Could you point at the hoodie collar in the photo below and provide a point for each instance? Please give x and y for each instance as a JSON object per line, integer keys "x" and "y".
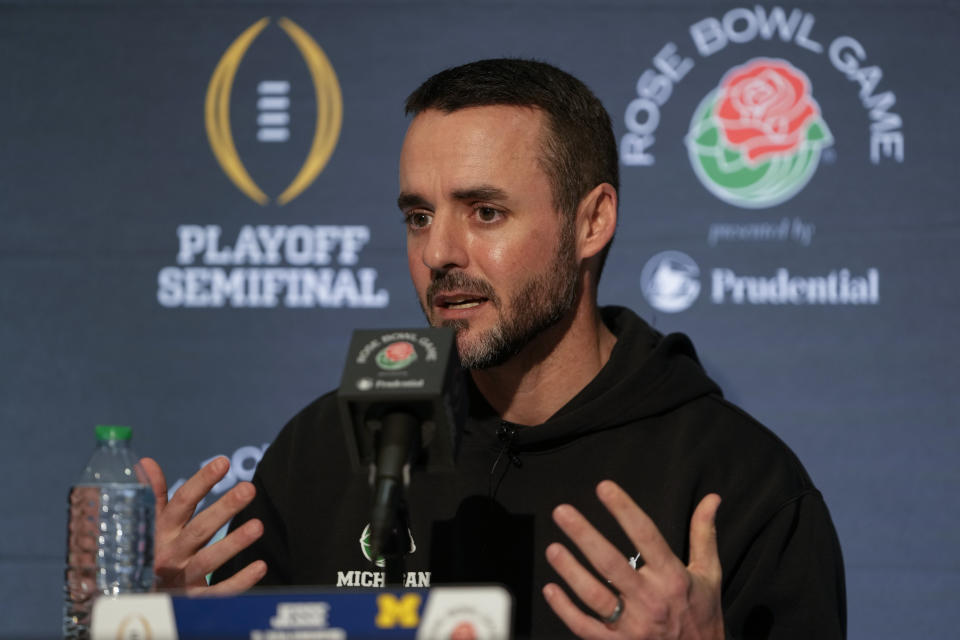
{"x": 647, "y": 374}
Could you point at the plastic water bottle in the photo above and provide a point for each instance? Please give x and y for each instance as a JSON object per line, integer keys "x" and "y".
{"x": 109, "y": 530}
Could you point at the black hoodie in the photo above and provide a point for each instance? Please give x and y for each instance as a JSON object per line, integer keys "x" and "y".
{"x": 651, "y": 420}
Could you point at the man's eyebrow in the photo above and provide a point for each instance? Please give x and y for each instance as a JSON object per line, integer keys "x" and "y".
{"x": 411, "y": 201}
{"x": 480, "y": 192}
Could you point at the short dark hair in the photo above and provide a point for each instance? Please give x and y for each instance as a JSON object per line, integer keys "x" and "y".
{"x": 579, "y": 150}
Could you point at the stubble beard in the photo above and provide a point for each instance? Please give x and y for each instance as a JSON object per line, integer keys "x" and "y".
{"x": 540, "y": 303}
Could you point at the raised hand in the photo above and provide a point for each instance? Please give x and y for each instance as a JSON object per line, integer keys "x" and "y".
{"x": 181, "y": 558}
{"x": 663, "y": 599}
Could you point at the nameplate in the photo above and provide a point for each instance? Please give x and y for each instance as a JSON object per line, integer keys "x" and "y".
{"x": 440, "y": 613}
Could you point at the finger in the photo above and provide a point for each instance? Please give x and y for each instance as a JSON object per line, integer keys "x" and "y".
{"x": 582, "y": 625}
{"x": 591, "y": 591}
{"x": 157, "y": 481}
{"x": 212, "y": 557}
{"x": 184, "y": 502}
{"x": 704, "y": 557}
{"x": 205, "y": 525}
{"x": 638, "y": 526}
{"x": 605, "y": 558}
{"x": 237, "y": 583}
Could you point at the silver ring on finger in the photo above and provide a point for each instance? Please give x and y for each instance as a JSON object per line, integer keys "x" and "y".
{"x": 617, "y": 612}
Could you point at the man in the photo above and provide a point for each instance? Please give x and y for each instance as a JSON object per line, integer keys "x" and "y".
{"x": 508, "y": 188}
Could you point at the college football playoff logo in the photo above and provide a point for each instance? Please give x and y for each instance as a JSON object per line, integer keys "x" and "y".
{"x": 329, "y": 104}
{"x": 755, "y": 141}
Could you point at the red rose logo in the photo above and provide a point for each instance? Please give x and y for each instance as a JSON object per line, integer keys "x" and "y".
{"x": 756, "y": 140}
{"x": 463, "y": 631}
{"x": 399, "y": 351}
{"x": 764, "y": 108}
{"x": 396, "y": 355}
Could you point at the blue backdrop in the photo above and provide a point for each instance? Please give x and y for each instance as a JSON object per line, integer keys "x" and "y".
{"x": 198, "y": 208}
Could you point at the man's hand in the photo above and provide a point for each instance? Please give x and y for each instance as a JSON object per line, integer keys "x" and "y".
{"x": 181, "y": 560}
{"x": 663, "y": 599}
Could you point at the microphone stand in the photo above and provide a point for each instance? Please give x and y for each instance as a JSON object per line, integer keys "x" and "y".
{"x": 399, "y": 440}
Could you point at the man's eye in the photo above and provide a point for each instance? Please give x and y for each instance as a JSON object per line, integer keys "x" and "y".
{"x": 488, "y": 214}
{"x": 417, "y": 220}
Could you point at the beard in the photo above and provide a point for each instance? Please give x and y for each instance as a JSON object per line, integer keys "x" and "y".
{"x": 539, "y": 303}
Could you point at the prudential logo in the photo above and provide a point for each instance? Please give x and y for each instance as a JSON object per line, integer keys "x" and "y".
{"x": 670, "y": 281}
{"x": 755, "y": 141}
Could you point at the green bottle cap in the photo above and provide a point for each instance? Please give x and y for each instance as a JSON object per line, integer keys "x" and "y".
{"x": 112, "y": 432}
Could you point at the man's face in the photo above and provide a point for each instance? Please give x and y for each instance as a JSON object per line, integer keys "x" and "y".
{"x": 488, "y": 253}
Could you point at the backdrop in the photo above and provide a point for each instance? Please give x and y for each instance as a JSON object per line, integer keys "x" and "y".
{"x": 198, "y": 206}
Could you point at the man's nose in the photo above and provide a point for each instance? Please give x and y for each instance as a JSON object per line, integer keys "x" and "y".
{"x": 444, "y": 248}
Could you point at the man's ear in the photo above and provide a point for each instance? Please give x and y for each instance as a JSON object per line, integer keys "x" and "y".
{"x": 596, "y": 220}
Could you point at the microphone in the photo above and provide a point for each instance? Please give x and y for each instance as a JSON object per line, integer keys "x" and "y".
{"x": 401, "y": 402}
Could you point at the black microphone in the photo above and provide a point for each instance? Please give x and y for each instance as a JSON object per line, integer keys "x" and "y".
{"x": 401, "y": 403}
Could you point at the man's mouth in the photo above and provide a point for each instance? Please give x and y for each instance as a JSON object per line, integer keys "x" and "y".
{"x": 458, "y": 301}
